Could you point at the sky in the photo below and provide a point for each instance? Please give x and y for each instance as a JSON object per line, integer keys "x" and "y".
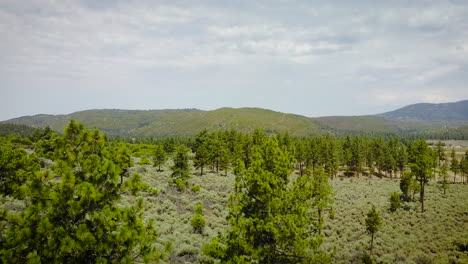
{"x": 313, "y": 58}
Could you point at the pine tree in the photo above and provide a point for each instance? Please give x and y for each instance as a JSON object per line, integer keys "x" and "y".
{"x": 180, "y": 169}
{"x": 15, "y": 168}
{"x": 422, "y": 166}
{"x": 443, "y": 173}
{"x": 454, "y": 165}
{"x": 202, "y": 157}
{"x": 159, "y": 157}
{"x": 71, "y": 214}
{"x": 440, "y": 152}
{"x": 373, "y": 224}
{"x": 272, "y": 219}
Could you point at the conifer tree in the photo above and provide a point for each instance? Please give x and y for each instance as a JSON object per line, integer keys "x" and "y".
{"x": 15, "y": 168}
{"x": 422, "y": 166}
{"x": 159, "y": 157}
{"x": 443, "y": 173}
{"x": 180, "y": 169}
{"x": 71, "y": 214}
{"x": 272, "y": 220}
{"x": 373, "y": 224}
{"x": 202, "y": 158}
{"x": 454, "y": 165}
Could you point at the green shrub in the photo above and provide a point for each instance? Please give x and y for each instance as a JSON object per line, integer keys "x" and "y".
{"x": 196, "y": 188}
{"x": 199, "y": 209}
{"x": 180, "y": 184}
{"x": 395, "y": 201}
{"x": 154, "y": 192}
{"x": 198, "y": 223}
{"x": 144, "y": 161}
{"x": 332, "y": 213}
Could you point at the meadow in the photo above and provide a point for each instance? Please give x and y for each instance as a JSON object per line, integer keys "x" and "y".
{"x": 407, "y": 235}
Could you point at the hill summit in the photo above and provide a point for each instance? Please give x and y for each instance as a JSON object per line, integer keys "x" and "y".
{"x": 417, "y": 118}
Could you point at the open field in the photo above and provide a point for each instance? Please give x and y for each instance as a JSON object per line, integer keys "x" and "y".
{"x": 406, "y": 237}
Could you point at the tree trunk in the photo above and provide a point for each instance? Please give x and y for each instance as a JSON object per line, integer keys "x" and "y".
{"x": 320, "y": 220}
{"x": 201, "y": 170}
{"x": 421, "y": 197}
{"x": 454, "y": 176}
{"x": 371, "y": 243}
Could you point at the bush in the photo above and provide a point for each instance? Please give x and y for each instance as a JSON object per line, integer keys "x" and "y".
{"x": 395, "y": 201}
{"x": 198, "y": 223}
{"x": 196, "y": 188}
{"x": 199, "y": 209}
{"x": 144, "y": 161}
{"x": 332, "y": 213}
{"x": 154, "y": 192}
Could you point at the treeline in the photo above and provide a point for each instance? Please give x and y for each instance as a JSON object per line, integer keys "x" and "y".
{"x": 350, "y": 155}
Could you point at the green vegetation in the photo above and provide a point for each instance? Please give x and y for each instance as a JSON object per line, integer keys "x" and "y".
{"x": 258, "y": 199}
{"x": 180, "y": 169}
{"x": 198, "y": 222}
{"x": 272, "y": 220}
{"x": 373, "y": 223}
{"x": 159, "y": 156}
{"x": 395, "y": 201}
{"x": 411, "y": 121}
{"x": 69, "y": 213}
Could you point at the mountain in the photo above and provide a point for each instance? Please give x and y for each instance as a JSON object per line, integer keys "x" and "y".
{"x": 418, "y": 119}
{"x": 441, "y": 120}
{"x": 451, "y": 113}
{"x": 180, "y": 122}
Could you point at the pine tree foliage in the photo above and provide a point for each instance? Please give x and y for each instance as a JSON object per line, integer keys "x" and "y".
{"x": 421, "y": 165}
{"x": 159, "y": 157}
{"x": 15, "y": 168}
{"x": 180, "y": 169}
{"x": 272, "y": 219}
{"x": 373, "y": 224}
{"x": 71, "y": 214}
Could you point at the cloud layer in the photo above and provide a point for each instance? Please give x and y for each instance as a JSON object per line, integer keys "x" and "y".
{"x": 307, "y": 57}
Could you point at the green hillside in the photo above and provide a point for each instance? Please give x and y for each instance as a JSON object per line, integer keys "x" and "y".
{"x": 358, "y": 123}
{"x": 425, "y": 120}
{"x": 183, "y": 122}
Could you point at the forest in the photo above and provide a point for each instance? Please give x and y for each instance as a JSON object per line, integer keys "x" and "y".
{"x": 226, "y": 196}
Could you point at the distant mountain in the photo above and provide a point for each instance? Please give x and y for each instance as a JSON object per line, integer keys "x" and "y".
{"x": 445, "y": 112}
{"x": 181, "y": 122}
{"x": 442, "y": 120}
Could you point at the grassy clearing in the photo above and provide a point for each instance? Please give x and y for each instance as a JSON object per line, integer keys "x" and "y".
{"x": 406, "y": 237}
{"x": 172, "y": 210}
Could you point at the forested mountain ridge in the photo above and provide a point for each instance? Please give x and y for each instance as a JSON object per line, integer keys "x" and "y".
{"x": 178, "y": 122}
{"x": 448, "y": 120}
{"x": 445, "y": 112}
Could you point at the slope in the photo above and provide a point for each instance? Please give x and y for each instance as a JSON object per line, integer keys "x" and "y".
{"x": 181, "y": 122}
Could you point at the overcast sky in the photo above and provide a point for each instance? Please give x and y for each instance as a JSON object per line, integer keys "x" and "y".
{"x": 313, "y": 58}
